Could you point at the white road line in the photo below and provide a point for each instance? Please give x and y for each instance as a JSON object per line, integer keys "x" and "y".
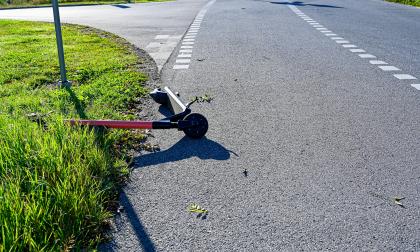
{"x": 190, "y": 37}
{"x": 188, "y": 40}
{"x": 154, "y": 44}
{"x": 358, "y": 51}
{"x": 377, "y": 62}
{"x": 349, "y": 46}
{"x": 404, "y": 77}
{"x": 184, "y": 55}
{"x": 181, "y": 67}
{"x": 185, "y": 51}
{"x": 186, "y": 47}
{"x": 183, "y": 61}
{"x": 366, "y": 56}
{"x": 389, "y": 68}
{"x": 339, "y": 40}
{"x": 162, "y": 37}
{"x": 188, "y": 43}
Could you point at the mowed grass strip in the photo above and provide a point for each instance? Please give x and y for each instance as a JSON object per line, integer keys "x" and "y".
{"x": 28, "y": 3}
{"x": 408, "y": 2}
{"x": 58, "y": 182}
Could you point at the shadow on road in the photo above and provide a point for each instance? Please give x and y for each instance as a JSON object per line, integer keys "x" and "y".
{"x": 143, "y": 238}
{"x": 121, "y": 6}
{"x": 186, "y": 148}
{"x": 299, "y": 3}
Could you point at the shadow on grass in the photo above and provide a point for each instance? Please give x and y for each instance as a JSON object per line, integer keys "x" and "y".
{"x": 135, "y": 222}
{"x": 301, "y": 4}
{"x": 186, "y": 148}
{"x": 77, "y": 104}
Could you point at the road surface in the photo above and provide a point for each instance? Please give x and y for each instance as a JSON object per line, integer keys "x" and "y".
{"x": 328, "y": 138}
{"x": 318, "y": 101}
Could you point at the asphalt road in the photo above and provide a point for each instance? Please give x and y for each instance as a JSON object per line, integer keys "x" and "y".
{"x": 328, "y": 138}
{"x": 154, "y": 27}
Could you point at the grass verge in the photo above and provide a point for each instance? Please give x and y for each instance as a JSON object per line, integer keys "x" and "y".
{"x": 8, "y": 4}
{"x": 408, "y": 2}
{"x": 56, "y": 182}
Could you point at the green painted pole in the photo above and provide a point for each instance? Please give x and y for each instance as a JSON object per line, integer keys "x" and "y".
{"x": 60, "y": 49}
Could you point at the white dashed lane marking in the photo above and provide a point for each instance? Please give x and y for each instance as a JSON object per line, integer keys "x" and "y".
{"x": 389, "y": 68}
{"x": 183, "y": 61}
{"x": 185, "y": 53}
{"x": 358, "y": 51}
{"x": 162, "y": 37}
{"x": 353, "y": 48}
{"x": 367, "y": 56}
{"x": 377, "y": 62}
{"x": 405, "y": 77}
{"x": 176, "y": 67}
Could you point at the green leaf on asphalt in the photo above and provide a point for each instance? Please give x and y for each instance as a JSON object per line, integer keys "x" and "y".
{"x": 194, "y": 208}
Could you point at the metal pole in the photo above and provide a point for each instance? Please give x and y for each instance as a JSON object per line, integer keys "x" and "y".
{"x": 59, "y": 38}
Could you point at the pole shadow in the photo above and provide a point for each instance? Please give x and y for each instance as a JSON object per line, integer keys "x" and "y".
{"x": 121, "y": 6}
{"x": 302, "y": 4}
{"x": 143, "y": 238}
{"x": 185, "y": 148}
{"x": 80, "y": 109}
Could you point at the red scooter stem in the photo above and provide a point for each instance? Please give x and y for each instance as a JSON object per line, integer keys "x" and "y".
{"x": 119, "y": 124}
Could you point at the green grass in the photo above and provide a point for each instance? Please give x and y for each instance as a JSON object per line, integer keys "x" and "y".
{"x": 57, "y": 182}
{"x": 408, "y": 2}
{"x": 32, "y": 3}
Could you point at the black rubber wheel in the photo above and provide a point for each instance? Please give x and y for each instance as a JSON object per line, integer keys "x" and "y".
{"x": 199, "y": 128}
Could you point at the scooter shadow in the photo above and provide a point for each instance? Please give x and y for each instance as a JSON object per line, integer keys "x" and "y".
{"x": 185, "y": 148}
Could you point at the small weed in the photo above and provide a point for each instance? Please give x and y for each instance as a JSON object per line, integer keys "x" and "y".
{"x": 203, "y": 98}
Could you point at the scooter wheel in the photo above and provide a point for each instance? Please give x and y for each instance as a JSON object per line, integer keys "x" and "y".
{"x": 199, "y": 126}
